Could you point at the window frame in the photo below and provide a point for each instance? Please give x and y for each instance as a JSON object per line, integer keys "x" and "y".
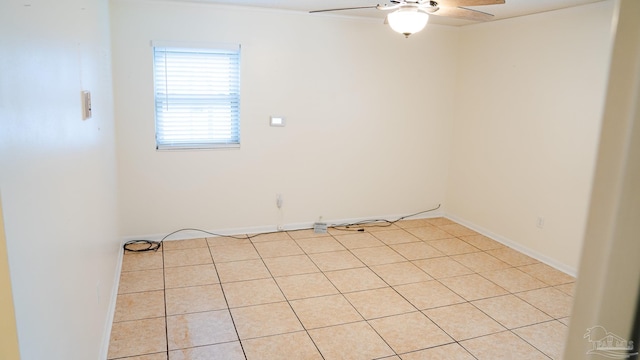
{"x": 216, "y": 139}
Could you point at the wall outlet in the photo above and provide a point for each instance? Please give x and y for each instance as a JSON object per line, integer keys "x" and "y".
{"x": 540, "y": 222}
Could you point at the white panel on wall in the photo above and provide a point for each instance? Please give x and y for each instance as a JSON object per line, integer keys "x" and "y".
{"x": 530, "y": 94}
{"x": 57, "y": 174}
{"x": 368, "y": 120}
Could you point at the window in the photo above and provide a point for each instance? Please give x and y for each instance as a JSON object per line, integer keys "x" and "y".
{"x": 197, "y": 96}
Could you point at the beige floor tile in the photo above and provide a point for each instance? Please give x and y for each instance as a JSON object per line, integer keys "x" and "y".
{"x": 136, "y": 306}
{"x": 358, "y": 279}
{"x": 224, "y": 351}
{"x": 290, "y": 265}
{"x": 463, "y": 321}
{"x": 410, "y": 332}
{"x": 139, "y": 281}
{"x": 274, "y": 236}
{"x": 378, "y": 255}
{"x": 306, "y": 234}
{"x": 197, "y": 256}
{"x": 185, "y": 244}
{"x": 428, "y": 294}
{"x": 226, "y": 253}
{"x": 512, "y": 257}
{"x": 481, "y": 242}
{"x": 417, "y": 250}
{"x": 198, "y": 329}
{"x": 457, "y": 230}
{"x": 138, "y": 337}
{"x": 550, "y": 300}
{"x": 428, "y": 233}
{"x": 358, "y": 240}
{"x": 568, "y": 289}
{"x": 353, "y": 341}
{"x": 195, "y": 299}
{"x": 319, "y": 245}
{"x": 252, "y": 292}
{"x": 547, "y": 274}
{"x": 325, "y": 311}
{"x": 511, "y": 311}
{"x": 305, "y": 286}
{"x": 332, "y": 305}
{"x": 480, "y": 261}
{"x": 156, "y": 356}
{"x": 242, "y": 270}
{"x": 513, "y": 280}
{"x": 399, "y": 236}
{"x": 296, "y": 345}
{"x": 190, "y": 276}
{"x": 548, "y": 337}
{"x": 473, "y": 287}
{"x": 142, "y": 261}
{"x": 400, "y": 273}
{"x": 277, "y": 248}
{"x": 453, "y": 246}
{"x": 502, "y": 346}
{"x": 414, "y": 223}
{"x": 379, "y": 302}
{"x": 394, "y": 357}
{"x": 227, "y": 240}
{"x": 439, "y": 221}
{"x": 264, "y": 320}
{"x": 445, "y": 352}
{"x": 336, "y": 260}
{"x": 442, "y": 267}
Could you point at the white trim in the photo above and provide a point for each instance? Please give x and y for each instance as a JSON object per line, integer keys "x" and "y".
{"x": 516, "y": 246}
{"x": 233, "y": 47}
{"x": 106, "y": 336}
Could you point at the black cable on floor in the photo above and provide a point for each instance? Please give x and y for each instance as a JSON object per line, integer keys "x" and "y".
{"x": 144, "y": 245}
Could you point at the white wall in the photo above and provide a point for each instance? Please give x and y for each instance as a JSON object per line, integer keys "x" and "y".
{"x": 529, "y": 98}
{"x": 368, "y": 120}
{"x": 57, "y": 174}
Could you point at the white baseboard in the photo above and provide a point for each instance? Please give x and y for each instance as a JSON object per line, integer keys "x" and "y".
{"x": 106, "y": 337}
{"x": 193, "y": 233}
{"x": 516, "y": 246}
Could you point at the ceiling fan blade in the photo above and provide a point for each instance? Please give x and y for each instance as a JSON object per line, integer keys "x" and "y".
{"x": 463, "y": 13}
{"x": 457, "y": 3}
{"x": 340, "y": 9}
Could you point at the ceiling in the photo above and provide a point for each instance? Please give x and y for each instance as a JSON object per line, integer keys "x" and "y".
{"x": 512, "y": 8}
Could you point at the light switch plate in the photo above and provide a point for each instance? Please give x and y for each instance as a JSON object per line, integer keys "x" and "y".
{"x": 277, "y": 121}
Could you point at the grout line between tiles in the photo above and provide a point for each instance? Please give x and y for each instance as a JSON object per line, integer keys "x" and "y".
{"x": 235, "y": 328}
{"x": 288, "y": 301}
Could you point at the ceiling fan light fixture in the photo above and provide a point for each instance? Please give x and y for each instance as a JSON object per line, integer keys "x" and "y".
{"x": 407, "y": 21}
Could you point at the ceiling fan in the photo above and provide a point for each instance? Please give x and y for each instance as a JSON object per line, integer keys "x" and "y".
{"x": 411, "y": 16}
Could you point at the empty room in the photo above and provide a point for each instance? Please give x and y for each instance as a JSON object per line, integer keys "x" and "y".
{"x": 280, "y": 179}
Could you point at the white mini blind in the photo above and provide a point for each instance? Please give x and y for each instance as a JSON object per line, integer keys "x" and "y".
{"x": 197, "y": 97}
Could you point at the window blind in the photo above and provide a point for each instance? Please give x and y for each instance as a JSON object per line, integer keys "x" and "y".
{"x": 197, "y": 97}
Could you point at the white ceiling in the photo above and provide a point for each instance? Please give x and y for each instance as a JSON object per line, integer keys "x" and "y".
{"x": 512, "y": 8}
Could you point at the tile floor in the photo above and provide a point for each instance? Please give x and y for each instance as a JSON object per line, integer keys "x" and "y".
{"x": 419, "y": 289}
